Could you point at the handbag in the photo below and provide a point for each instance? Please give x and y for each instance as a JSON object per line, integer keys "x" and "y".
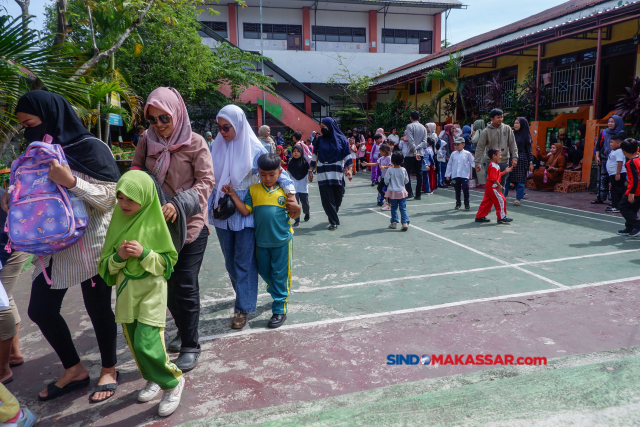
{"x": 226, "y": 208}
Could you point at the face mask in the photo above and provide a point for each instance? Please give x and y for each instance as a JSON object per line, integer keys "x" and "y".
{"x": 35, "y": 133}
{"x": 325, "y": 132}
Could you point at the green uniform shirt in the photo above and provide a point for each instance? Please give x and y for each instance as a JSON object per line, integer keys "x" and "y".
{"x": 273, "y": 228}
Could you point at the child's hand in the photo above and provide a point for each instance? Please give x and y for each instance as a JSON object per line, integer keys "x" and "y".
{"x": 632, "y": 198}
{"x": 122, "y": 251}
{"x": 509, "y": 169}
{"x": 617, "y": 177}
{"x": 228, "y": 189}
{"x": 134, "y": 249}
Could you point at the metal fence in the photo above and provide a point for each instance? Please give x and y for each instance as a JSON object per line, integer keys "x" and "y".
{"x": 481, "y": 91}
{"x": 572, "y": 85}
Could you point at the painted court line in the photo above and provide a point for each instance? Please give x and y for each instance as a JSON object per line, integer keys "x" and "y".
{"x": 414, "y": 310}
{"x": 526, "y": 205}
{"x": 560, "y": 285}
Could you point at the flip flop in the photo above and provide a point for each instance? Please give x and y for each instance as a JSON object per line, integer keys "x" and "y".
{"x": 105, "y": 387}
{"x": 597, "y": 202}
{"x": 8, "y": 380}
{"x": 54, "y": 391}
{"x": 15, "y": 365}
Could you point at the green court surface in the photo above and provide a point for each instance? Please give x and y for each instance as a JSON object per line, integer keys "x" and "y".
{"x": 367, "y": 269}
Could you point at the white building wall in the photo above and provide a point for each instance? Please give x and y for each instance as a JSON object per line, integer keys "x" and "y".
{"x": 402, "y": 22}
{"x": 269, "y": 16}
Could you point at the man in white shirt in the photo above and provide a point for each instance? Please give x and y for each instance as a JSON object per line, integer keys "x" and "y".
{"x": 459, "y": 170}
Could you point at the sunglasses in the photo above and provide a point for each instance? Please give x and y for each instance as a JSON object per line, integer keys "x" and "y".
{"x": 224, "y": 128}
{"x": 164, "y": 118}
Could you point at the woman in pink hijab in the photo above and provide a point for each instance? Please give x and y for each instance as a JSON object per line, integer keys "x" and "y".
{"x": 180, "y": 162}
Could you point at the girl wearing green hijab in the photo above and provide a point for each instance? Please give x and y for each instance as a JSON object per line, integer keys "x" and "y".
{"x": 137, "y": 258}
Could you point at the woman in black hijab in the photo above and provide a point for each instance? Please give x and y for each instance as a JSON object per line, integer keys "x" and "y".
{"x": 91, "y": 177}
{"x": 518, "y": 175}
{"x": 576, "y": 152}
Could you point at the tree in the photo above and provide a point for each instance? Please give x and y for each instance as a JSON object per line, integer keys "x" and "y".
{"x": 453, "y": 84}
{"x": 26, "y": 63}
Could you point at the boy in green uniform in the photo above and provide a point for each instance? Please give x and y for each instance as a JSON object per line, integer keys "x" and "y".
{"x": 274, "y": 235}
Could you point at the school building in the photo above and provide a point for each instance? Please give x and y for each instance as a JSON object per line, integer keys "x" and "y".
{"x": 308, "y": 42}
{"x": 582, "y": 52}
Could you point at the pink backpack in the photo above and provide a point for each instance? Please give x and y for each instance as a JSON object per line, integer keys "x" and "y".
{"x": 43, "y": 217}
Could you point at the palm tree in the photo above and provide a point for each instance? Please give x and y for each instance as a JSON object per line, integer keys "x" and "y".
{"x": 25, "y": 64}
{"x": 452, "y": 83}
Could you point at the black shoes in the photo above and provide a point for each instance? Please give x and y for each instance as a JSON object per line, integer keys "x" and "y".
{"x": 175, "y": 344}
{"x": 634, "y": 233}
{"x": 624, "y": 232}
{"x": 380, "y": 203}
{"x": 504, "y": 220}
{"x": 467, "y": 207}
{"x": 277, "y": 320}
{"x": 483, "y": 219}
{"x": 417, "y": 198}
{"x": 333, "y": 227}
{"x": 458, "y": 207}
{"x": 373, "y": 183}
{"x": 188, "y": 358}
{"x": 307, "y": 218}
{"x": 297, "y": 223}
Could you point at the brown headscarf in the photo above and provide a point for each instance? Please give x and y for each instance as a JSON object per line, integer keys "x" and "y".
{"x": 552, "y": 160}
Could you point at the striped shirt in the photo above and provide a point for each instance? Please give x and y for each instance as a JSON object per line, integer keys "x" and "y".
{"x": 331, "y": 173}
{"x": 69, "y": 268}
{"x": 237, "y": 221}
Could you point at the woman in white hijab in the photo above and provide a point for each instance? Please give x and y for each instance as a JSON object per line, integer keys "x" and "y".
{"x": 235, "y": 152}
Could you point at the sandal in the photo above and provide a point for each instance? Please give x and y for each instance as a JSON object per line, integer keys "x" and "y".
{"x": 105, "y": 387}
{"x": 597, "y": 202}
{"x": 54, "y": 391}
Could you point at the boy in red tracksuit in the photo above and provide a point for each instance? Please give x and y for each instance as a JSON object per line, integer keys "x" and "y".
{"x": 493, "y": 195}
{"x": 630, "y": 203}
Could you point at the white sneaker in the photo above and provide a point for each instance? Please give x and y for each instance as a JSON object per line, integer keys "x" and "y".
{"x": 386, "y": 207}
{"x": 149, "y": 392}
{"x": 393, "y": 225}
{"x": 405, "y": 226}
{"x": 171, "y": 400}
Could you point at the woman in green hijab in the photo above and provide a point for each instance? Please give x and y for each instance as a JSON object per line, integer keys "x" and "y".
{"x": 138, "y": 257}
{"x": 478, "y": 127}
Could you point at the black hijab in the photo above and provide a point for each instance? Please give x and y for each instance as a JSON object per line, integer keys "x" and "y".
{"x": 84, "y": 152}
{"x": 522, "y": 135}
{"x": 298, "y": 168}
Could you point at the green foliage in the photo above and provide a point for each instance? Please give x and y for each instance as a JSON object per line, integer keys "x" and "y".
{"x": 523, "y": 100}
{"x": 349, "y": 116}
{"x": 397, "y": 113}
{"x": 25, "y": 63}
{"x": 453, "y": 84}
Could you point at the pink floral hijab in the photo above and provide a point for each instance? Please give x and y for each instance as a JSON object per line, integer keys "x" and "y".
{"x": 167, "y": 99}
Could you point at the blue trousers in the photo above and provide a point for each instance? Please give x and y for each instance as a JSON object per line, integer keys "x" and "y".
{"x": 425, "y": 181}
{"x": 274, "y": 266}
{"x": 238, "y": 249}
{"x": 442, "y": 169}
{"x": 519, "y": 189}
{"x": 402, "y": 204}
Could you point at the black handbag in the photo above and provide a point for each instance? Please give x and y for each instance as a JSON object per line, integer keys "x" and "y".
{"x": 226, "y": 208}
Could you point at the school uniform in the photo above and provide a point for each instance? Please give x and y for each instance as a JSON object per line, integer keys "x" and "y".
{"x": 459, "y": 170}
{"x": 619, "y": 187}
{"x": 492, "y": 197}
{"x": 274, "y": 241}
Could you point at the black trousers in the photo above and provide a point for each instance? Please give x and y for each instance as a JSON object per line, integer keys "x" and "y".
{"x": 618, "y": 188}
{"x": 413, "y": 166}
{"x": 331, "y": 197}
{"x": 630, "y": 212}
{"x": 303, "y": 200}
{"x": 358, "y": 161}
{"x": 575, "y": 155}
{"x": 603, "y": 181}
{"x": 183, "y": 296}
{"x": 381, "y": 186}
{"x": 44, "y": 310}
{"x": 461, "y": 185}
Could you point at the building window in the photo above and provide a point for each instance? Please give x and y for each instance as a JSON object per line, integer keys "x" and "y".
{"x": 271, "y": 31}
{"x": 316, "y": 110}
{"x": 405, "y": 36}
{"x": 339, "y": 34}
{"x": 218, "y": 27}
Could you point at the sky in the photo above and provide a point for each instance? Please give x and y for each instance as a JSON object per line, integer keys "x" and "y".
{"x": 479, "y": 17}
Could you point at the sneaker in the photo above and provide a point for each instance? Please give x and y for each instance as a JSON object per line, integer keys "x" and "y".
{"x": 373, "y": 183}
{"x": 483, "y": 219}
{"x": 333, "y": 227}
{"x": 27, "y": 419}
{"x": 624, "y": 232}
{"x": 504, "y": 220}
{"x": 516, "y": 203}
{"x": 297, "y": 223}
{"x": 417, "y": 198}
{"x": 380, "y": 203}
{"x": 307, "y": 218}
{"x": 458, "y": 207}
{"x": 393, "y": 225}
{"x": 635, "y": 232}
{"x": 405, "y": 226}
{"x": 386, "y": 207}
{"x": 149, "y": 392}
{"x": 611, "y": 210}
{"x": 171, "y": 399}
{"x": 467, "y": 207}
{"x": 428, "y": 194}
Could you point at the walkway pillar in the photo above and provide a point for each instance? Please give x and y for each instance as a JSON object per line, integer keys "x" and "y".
{"x": 596, "y": 81}
{"x": 258, "y": 117}
{"x": 538, "y": 87}
{"x": 307, "y": 101}
{"x": 233, "y": 27}
{"x": 437, "y": 32}
{"x": 373, "y": 31}
{"x": 306, "y": 29}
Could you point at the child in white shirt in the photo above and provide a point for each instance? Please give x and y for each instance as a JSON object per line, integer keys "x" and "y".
{"x": 458, "y": 171}
{"x": 617, "y": 172}
{"x": 396, "y": 179}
